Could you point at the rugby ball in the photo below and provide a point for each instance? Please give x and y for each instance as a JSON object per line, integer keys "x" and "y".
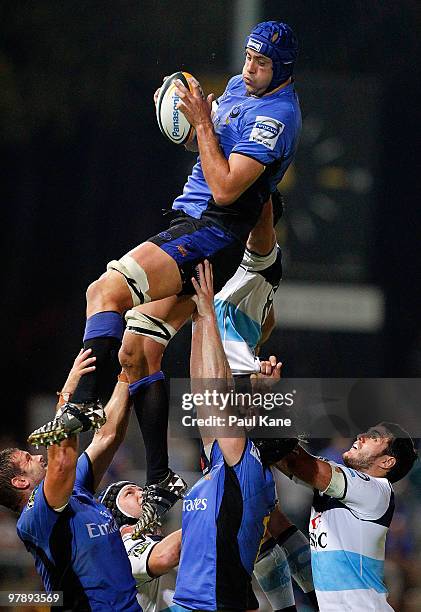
{"x": 172, "y": 123}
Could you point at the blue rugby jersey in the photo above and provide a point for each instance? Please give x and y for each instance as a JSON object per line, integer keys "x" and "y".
{"x": 265, "y": 128}
{"x": 79, "y": 551}
{"x": 224, "y": 517}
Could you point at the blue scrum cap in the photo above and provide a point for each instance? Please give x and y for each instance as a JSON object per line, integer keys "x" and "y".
{"x": 277, "y": 41}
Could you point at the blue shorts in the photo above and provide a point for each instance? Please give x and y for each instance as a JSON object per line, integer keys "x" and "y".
{"x": 190, "y": 241}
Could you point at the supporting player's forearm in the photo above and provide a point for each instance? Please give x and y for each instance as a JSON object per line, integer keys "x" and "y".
{"x": 207, "y": 348}
{"x": 305, "y": 467}
{"x": 107, "y": 439}
{"x": 278, "y": 522}
{"x": 61, "y": 473}
{"x": 267, "y": 329}
{"x": 165, "y": 555}
{"x": 213, "y": 360}
{"x": 117, "y": 411}
{"x": 262, "y": 237}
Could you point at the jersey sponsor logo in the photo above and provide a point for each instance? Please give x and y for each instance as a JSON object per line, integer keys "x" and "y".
{"x": 198, "y": 503}
{"x": 266, "y": 131}
{"x": 316, "y": 520}
{"x": 254, "y": 44}
{"x": 318, "y": 540}
{"x": 96, "y": 530}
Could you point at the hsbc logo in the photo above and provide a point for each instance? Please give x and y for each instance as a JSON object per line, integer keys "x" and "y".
{"x": 318, "y": 540}
{"x": 316, "y": 520}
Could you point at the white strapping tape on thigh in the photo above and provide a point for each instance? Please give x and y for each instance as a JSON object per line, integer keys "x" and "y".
{"x": 152, "y": 327}
{"x": 135, "y": 276}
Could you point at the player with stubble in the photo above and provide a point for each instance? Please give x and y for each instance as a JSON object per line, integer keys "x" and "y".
{"x": 74, "y": 540}
{"x": 351, "y": 513}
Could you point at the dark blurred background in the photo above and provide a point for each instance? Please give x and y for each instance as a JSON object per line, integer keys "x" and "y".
{"x": 86, "y": 173}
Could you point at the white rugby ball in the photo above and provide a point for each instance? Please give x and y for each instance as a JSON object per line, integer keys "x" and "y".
{"x": 172, "y": 123}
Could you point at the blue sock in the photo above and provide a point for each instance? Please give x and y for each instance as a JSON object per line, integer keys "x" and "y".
{"x": 150, "y": 401}
{"x": 145, "y": 382}
{"x": 107, "y": 324}
{"x": 103, "y": 333}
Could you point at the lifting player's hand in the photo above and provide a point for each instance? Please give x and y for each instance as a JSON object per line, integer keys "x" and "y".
{"x": 83, "y": 364}
{"x": 271, "y": 368}
{"x": 195, "y": 107}
{"x": 270, "y": 374}
{"x": 204, "y": 290}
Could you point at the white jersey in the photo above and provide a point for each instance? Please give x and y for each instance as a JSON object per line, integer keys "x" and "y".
{"x": 154, "y": 594}
{"x": 347, "y": 539}
{"x": 242, "y": 306}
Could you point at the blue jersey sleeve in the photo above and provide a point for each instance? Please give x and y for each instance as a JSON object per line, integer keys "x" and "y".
{"x": 37, "y": 519}
{"x": 255, "y": 479}
{"x": 84, "y": 473}
{"x": 265, "y": 136}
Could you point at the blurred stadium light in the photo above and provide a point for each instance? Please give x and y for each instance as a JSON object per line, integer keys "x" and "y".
{"x": 246, "y": 14}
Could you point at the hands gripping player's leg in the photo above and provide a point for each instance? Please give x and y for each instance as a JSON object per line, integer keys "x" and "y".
{"x": 148, "y": 331}
{"x": 146, "y": 273}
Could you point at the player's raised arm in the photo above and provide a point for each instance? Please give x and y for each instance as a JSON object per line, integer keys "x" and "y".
{"x": 227, "y": 178}
{"x": 165, "y": 555}
{"x": 262, "y": 237}
{"x": 311, "y": 470}
{"x": 62, "y": 459}
{"x": 107, "y": 440}
{"x": 209, "y": 365}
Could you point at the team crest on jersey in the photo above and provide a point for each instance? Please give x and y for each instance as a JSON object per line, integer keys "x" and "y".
{"x": 31, "y": 500}
{"x": 138, "y": 550}
{"x": 255, "y": 453}
{"x": 266, "y": 131}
